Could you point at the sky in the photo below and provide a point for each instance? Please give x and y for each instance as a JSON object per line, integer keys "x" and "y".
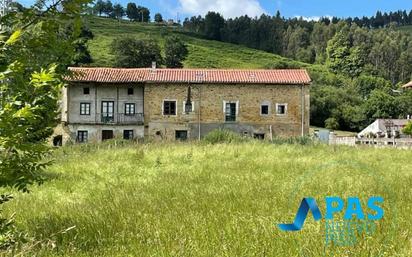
{"x": 309, "y": 9}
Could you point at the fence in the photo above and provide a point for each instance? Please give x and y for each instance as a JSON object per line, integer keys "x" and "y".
{"x": 373, "y": 142}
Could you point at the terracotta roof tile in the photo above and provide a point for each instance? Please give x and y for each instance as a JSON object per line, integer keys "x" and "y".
{"x": 115, "y": 75}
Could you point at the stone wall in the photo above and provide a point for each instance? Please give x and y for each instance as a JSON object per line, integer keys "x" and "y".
{"x": 209, "y": 112}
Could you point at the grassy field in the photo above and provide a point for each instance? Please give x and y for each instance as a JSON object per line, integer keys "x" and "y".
{"x": 202, "y": 53}
{"x": 209, "y": 200}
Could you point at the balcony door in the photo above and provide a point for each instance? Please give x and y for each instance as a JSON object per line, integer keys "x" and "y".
{"x": 107, "y": 111}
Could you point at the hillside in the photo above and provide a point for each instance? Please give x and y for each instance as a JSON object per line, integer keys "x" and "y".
{"x": 202, "y": 53}
{"x": 406, "y": 28}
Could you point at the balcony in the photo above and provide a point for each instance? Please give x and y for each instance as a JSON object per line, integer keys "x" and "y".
{"x": 120, "y": 118}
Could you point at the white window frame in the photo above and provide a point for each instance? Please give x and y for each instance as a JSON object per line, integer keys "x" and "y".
{"x": 286, "y": 109}
{"x": 184, "y": 107}
{"x": 163, "y": 105}
{"x": 268, "y": 105}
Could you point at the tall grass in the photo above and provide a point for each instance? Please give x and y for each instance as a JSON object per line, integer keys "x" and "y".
{"x": 209, "y": 200}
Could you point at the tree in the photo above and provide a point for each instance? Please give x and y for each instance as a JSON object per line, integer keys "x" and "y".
{"x": 33, "y": 63}
{"x": 82, "y": 53}
{"x": 143, "y": 14}
{"x": 343, "y": 58}
{"x": 99, "y": 7}
{"x": 108, "y": 8}
{"x": 118, "y": 11}
{"x": 380, "y": 105}
{"x": 132, "y": 12}
{"x": 407, "y": 130}
{"x": 158, "y": 18}
{"x": 136, "y": 53}
{"x": 175, "y": 52}
{"x": 214, "y": 22}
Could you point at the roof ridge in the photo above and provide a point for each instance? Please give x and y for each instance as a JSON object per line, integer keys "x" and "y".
{"x": 178, "y": 75}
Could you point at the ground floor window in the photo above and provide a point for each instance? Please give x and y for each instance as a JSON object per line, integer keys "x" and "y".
{"x": 128, "y": 134}
{"x": 58, "y": 140}
{"x": 107, "y": 134}
{"x": 82, "y": 136}
{"x": 230, "y": 111}
{"x": 181, "y": 135}
{"x": 259, "y": 136}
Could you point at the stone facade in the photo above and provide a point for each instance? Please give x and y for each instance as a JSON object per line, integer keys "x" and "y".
{"x": 104, "y": 103}
{"x": 209, "y": 112}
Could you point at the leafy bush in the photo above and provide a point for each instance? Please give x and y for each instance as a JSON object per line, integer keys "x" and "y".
{"x": 305, "y": 140}
{"x": 408, "y": 128}
{"x": 223, "y": 136}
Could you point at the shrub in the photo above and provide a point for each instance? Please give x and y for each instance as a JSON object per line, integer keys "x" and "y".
{"x": 305, "y": 140}
{"x": 223, "y": 136}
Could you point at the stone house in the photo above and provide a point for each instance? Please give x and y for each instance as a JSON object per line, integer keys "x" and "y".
{"x": 169, "y": 104}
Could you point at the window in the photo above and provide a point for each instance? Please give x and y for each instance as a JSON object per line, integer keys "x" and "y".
{"x": 129, "y": 109}
{"x": 281, "y": 109}
{"x": 107, "y": 111}
{"x": 264, "y": 109}
{"x": 169, "y": 107}
{"x": 82, "y": 136}
{"x": 259, "y": 136}
{"x": 130, "y": 91}
{"x": 192, "y": 109}
{"x": 128, "y": 134}
{"x": 84, "y": 108}
{"x": 107, "y": 134}
{"x": 231, "y": 109}
{"x": 86, "y": 90}
{"x": 181, "y": 135}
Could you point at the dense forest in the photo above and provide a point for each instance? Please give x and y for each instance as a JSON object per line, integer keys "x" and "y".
{"x": 350, "y": 46}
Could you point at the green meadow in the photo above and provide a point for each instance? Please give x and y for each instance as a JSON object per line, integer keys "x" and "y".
{"x": 202, "y": 53}
{"x": 199, "y": 199}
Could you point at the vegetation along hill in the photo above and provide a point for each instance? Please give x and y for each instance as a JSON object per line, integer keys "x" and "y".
{"x": 356, "y": 71}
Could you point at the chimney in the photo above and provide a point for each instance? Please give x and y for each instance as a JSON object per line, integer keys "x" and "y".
{"x": 153, "y": 71}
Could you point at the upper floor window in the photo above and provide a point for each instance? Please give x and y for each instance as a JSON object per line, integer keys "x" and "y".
{"x": 265, "y": 108}
{"x": 86, "y": 90}
{"x": 82, "y": 136}
{"x": 169, "y": 107}
{"x": 231, "y": 110}
{"x": 84, "y": 108}
{"x": 281, "y": 109}
{"x": 130, "y": 91}
{"x": 129, "y": 108}
{"x": 188, "y": 108}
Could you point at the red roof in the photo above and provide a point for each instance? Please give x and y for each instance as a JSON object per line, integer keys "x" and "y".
{"x": 119, "y": 75}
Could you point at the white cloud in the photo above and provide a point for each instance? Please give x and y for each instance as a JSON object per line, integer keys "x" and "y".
{"x": 313, "y": 18}
{"x": 228, "y": 8}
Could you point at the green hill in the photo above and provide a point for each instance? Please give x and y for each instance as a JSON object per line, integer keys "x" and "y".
{"x": 202, "y": 53}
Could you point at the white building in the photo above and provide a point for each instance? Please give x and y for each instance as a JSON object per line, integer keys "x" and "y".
{"x": 385, "y": 128}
